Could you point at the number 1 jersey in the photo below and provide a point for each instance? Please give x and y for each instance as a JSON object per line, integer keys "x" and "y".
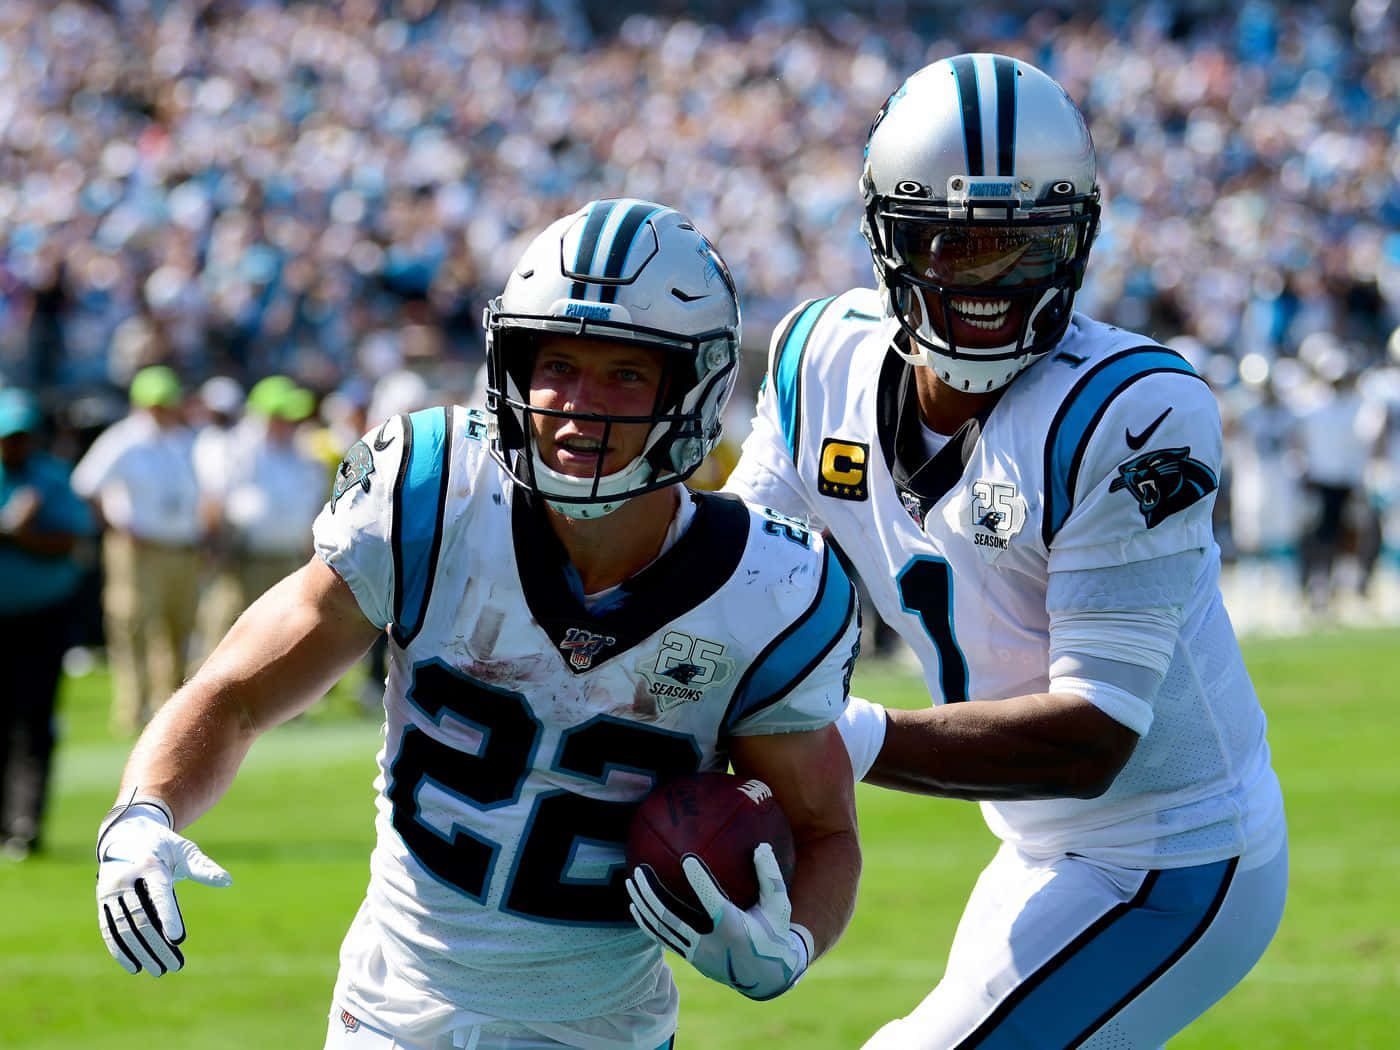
{"x": 1095, "y": 467}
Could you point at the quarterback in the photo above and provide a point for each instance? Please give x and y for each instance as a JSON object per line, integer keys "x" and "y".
{"x": 1027, "y": 494}
{"x": 569, "y": 624}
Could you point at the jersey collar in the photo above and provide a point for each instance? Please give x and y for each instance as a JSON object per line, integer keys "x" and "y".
{"x": 921, "y": 480}
{"x": 700, "y": 562}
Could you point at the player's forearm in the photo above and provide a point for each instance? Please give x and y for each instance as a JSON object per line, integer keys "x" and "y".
{"x": 1043, "y": 745}
{"x": 823, "y": 890}
{"x": 281, "y": 656}
{"x": 189, "y": 754}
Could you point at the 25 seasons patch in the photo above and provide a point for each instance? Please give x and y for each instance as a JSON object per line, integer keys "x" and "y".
{"x": 843, "y": 467}
{"x": 994, "y": 515}
{"x": 684, "y": 668}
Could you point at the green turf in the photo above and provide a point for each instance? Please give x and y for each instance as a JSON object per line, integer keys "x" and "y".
{"x": 296, "y": 829}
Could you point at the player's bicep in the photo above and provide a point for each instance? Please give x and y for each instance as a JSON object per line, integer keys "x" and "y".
{"x": 287, "y": 648}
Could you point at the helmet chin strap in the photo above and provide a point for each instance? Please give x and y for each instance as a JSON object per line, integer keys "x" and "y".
{"x": 638, "y": 471}
{"x": 583, "y": 511}
{"x": 928, "y": 337}
{"x": 967, "y": 370}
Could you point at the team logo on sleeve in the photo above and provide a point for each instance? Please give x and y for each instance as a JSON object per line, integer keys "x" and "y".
{"x": 684, "y": 668}
{"x": 354, "y": 469}
{"x": 1163, "y": 482}
{"x": 583, "y": 645}
{"x": 842, "y": 474}
{"x": 997, "y": 512}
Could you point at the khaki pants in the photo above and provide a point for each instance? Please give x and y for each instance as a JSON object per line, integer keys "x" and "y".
{"x": 236, "y": 584}
{"x": 149, "y": 600}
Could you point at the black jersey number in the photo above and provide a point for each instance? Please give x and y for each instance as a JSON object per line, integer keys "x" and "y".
{"x": 562, "y": 826}
{"x": 926, "y": 589}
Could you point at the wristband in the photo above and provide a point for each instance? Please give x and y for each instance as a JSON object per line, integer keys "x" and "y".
{"x": 120, "y": 810}
{"x": 862, "y": 727}
{"x": 804, "y": 936}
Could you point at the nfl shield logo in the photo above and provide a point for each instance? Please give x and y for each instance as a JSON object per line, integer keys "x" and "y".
{"x": 911, "y": 504}
{"x": 582, "y": 646}
{"x": 350, "y": 1021}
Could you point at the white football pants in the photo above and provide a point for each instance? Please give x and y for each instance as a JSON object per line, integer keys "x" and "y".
{"x": 1074, "y": 953}
{"x": 347, "y": 1032}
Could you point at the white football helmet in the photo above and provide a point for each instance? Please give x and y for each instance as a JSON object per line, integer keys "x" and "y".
{"x": 634, "y": 272}
{"x": 980, "y": 196}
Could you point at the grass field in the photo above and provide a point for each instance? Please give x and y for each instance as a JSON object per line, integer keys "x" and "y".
{"x": 296, "y": 831}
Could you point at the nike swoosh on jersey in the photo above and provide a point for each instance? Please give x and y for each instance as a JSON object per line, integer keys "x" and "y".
{"x": 1136, "y": 441}
{"x": 380, "y": 444}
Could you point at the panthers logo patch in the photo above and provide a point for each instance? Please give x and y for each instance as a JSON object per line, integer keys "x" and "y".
{"x": 685, "y": 673}
{"x": 354, "y": 469}
{"x": 1163, "y": 482}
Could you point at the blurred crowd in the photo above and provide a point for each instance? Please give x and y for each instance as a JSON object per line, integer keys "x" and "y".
{"x": 329, "y": 192}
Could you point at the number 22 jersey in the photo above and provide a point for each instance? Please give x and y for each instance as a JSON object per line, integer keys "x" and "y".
{"x": 523, "y": 725}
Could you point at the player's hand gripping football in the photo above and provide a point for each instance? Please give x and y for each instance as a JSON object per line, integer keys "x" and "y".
{"x": 139, "y": 861}
{"x": 758, "y": 952}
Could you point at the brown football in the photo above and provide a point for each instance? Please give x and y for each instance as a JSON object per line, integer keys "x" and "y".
{"x": 719, "y": 818}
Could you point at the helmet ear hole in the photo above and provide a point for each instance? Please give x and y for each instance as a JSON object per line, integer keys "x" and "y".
{"x": 683, "y": 453}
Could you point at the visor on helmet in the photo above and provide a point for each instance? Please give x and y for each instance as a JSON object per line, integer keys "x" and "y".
{"x": 983, "y": 256}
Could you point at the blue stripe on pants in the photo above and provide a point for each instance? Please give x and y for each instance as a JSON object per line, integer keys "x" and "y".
{"x": 1097, "y": 974}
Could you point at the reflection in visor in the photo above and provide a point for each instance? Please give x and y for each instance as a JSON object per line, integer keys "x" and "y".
{"x": 984, "y": 256}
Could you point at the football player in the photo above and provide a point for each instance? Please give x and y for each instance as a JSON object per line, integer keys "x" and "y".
{"x": 569, "y": 624}
{"x": 1027, "y": 493}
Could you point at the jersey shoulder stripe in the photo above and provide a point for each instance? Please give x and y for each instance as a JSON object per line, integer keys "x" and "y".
{"x": 792, "y": 655}
{"x": 420, "y": 497}
{"x": 786, "y": 367}
{"x": 1079, "y": 414}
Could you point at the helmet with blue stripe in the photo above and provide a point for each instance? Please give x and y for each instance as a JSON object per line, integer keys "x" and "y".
{"x": 980, "y": 208}
{"x": 627, "y": 271}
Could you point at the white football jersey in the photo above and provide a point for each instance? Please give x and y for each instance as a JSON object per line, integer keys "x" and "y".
{"x": 522, "y": 728}
{"x": 1102, "y": 455}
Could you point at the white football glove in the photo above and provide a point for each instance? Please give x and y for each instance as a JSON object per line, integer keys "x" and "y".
{"x": 758, "y": 952}
{"x": 139, "y": 861}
